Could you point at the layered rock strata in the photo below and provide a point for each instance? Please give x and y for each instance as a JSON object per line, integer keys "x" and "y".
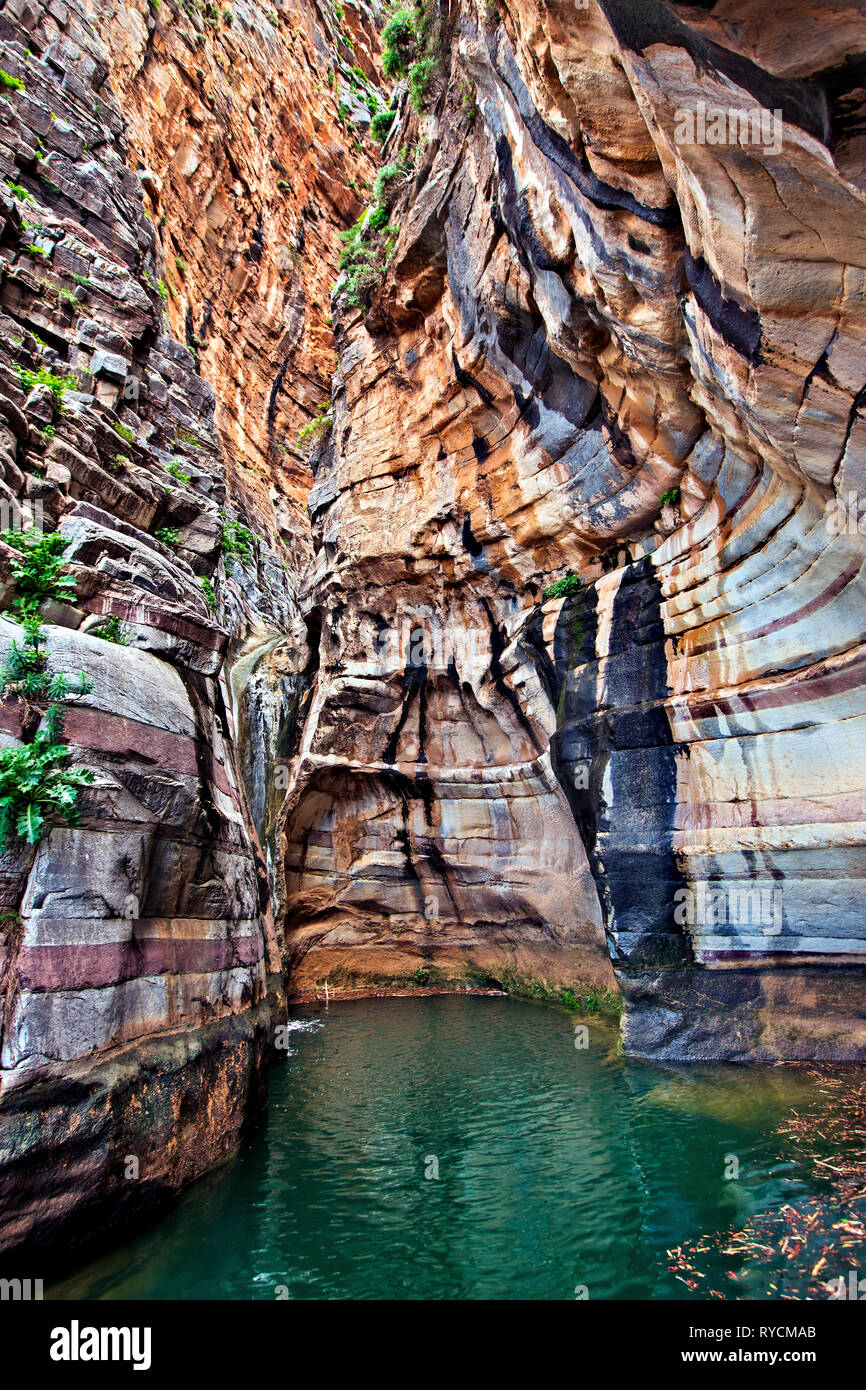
{"x": 621, "y": 337}
{"x": 356, "y": 737}
{"x": 247, "y": 126}
{"x": 140, "y": 967}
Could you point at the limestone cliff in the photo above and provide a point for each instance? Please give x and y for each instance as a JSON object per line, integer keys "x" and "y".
{"x": 547, "y": 664}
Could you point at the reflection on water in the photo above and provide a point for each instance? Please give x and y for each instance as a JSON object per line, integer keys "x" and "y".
{"x": 559, "y": 1168}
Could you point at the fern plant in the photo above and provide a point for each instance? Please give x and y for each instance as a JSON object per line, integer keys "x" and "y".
{"x": 37, "y": 569}
{"x": 35, "y": 779}
{"x": 25, "y": 676}
{"x": 36, "y": 782}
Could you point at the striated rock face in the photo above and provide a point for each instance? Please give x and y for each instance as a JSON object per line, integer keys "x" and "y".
{"x": 248, "y": 129}
{"x": 550, "y": 667}
{"x": 140, "y": 967}
{"x": 246, "y": 125}
{"x": 601, "y": 296}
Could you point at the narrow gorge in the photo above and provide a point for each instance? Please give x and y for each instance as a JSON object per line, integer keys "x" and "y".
{"x": 432, "y": 559}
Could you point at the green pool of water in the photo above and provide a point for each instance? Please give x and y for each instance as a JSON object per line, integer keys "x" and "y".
{"x": 461, "y": 1147}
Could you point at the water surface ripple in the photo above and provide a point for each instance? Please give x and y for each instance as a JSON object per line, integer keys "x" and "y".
{"x": 558, "y": 1167}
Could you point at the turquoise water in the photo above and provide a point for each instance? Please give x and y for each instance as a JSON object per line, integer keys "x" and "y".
{"x": 559, "y": 1168}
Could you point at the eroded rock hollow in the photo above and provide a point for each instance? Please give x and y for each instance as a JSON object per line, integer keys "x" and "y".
{"x": 544, "y": 665}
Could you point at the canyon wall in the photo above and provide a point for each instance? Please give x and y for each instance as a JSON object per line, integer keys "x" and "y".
{"x": 545, "y": 669}
{"x": 140, "y": 963}
{"x": 618, "y": 349}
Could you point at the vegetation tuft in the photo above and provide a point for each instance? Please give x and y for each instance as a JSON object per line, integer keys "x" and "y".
{"x": 567, "y": 587}
{"x": 209, "y": 593}
{"x": 177, "y": 472}
{"x": 111, "y": 630}
{"x": 36, "y": 781}
{"x": 237, "y": 542}
{"x": 37, "y": 569}
{"x": 380, "y": 125}
{"x": 43, "y": 377}
{"x": 318, "y": 428}
{"x": 590, "y": 1001}
{"x": 412, "y": 47}
{"x": 369, "y": 244}
{"x": 399, "y": 44}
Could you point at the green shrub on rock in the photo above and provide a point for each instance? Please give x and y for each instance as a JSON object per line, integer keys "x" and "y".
{"x": 380, "y": 125}
{"x": 177, "y": 472}
{"x": 367, "y": 247}
{"x": 399, "y": 44}
{"x": 43, "y": 377}
{"x": 420, "y": 78}
{"x": 568, "y": 586}
{"x": 318, "y": 428}
{"x": 387, "y": 183}
{"x": 237, "y": 542}
{"x": 111, "y": 630}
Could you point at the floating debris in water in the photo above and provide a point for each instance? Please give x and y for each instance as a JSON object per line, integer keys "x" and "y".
{"x": 807, "y": 1248}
